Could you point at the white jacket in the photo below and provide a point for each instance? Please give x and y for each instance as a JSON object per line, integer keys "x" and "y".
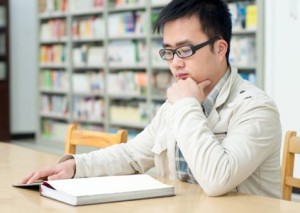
{"x": 236, "y": 148}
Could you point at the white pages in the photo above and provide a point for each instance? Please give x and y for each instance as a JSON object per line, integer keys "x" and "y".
{"x": 94, "y": 190}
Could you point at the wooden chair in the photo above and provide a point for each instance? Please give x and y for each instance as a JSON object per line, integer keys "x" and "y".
{"x": 291, "y": 147}
{"x": 77, "y": 136}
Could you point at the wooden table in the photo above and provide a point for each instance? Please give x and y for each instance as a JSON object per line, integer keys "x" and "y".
{"x": 16, "y": 162}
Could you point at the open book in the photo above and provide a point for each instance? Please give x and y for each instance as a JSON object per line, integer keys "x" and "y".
{"x": 94, "y": 190}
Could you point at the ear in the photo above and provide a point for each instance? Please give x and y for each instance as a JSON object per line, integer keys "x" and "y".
{"x": 221, "y": 48}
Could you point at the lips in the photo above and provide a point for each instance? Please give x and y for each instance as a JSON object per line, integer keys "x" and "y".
{"x": 181, "y": 76}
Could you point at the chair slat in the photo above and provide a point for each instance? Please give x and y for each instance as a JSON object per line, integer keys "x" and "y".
{"x": 291, "y": 147}
{"x": 294, "y": 146}
{"x": 92, "y": 138}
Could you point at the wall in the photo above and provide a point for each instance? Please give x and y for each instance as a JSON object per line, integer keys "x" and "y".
{"x": 23, "y": 57}
{"x": 282, "y": 77}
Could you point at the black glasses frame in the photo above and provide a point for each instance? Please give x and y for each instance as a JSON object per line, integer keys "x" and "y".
{"x": 194, "y": 48}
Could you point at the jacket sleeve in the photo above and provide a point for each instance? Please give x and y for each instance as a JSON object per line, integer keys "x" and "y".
{"x": 253, "y": 133}
{"x": 135, "y": 156}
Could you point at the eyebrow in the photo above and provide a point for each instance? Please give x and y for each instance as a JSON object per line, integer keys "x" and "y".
{"x": 184, "y": 42}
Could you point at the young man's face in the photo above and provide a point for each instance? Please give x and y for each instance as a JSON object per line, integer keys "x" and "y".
{"x": 205, "y": 64}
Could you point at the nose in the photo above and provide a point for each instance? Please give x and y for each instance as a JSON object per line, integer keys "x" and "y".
{"x": 177, "y": 61}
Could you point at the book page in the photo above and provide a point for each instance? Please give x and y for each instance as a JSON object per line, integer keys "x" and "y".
{"x": 107, "y": 185}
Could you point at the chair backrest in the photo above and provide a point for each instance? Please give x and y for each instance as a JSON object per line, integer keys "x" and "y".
{"x": 291, "y": 147}
{"x": 99, "y": 139}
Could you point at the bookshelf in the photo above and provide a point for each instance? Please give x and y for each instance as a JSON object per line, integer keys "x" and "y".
{"x": 247, "y": 45}
{"x": 99, "y": 65}
{"x": 4, "y": 71}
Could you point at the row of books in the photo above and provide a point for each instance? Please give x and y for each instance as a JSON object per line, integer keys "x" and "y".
{"x": 243, "y": 51}
{"x": 127, "y": 52}
{"x": 53, "y": 79}
{"x": 155, "y": 57}
{"x": 120, "y": 52}
{"x": 53, "y": 54}
{"x": 88, "y": 55}
{"x": 91, "y": 108}
{"x": 127, "y": 83}
{"x": 53, "y": 29}
{"x": 80, "y": 5}
{"x": 132, "y": 83}
{"x": 160, "y": 82}
{"x": 129, "y": 112}
{"x": 124, "y": 3}
{"x": 244, "y": 15}
{"x": 127, "y": 23}
{"x": 132, "y": 113}
{"x": 88, "y": 82}
{"x": 54, "y": 130}
{"x": 49, "y": 6}
{"x": 88, "y": 27}
{"x": 54, "y": 104}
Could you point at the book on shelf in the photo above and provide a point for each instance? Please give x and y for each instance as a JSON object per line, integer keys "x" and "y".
{"x": 242, "y": 51}
{"x": 243, "y": 15}
{"x": 54, "y": 130}
{"x": 53, "y": 30}
{"x": 88, "y": 108}
{"x": 53, "y": 54}
{"x": 88, "y": 55}
{"x": 96, "y": 190}
{"x": 251, "y": 16}
{"x": 127, "y": 23}
{"x": 46, "y": 6}
{"x": 84, "y": 5}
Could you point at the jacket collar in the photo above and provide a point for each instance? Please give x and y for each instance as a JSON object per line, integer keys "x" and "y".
{"x": 214, "y": 116}
{"x": 224, "y": 92}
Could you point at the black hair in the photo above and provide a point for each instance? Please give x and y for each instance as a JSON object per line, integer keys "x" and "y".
{"x": 214, "y": 17}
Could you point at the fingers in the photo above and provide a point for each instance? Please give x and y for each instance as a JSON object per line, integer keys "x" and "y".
{"x": 25, "y": 180}
{"x": 41, "y": 174}
{"x": 62, "y": 170}
{"x": 33, "y": 177}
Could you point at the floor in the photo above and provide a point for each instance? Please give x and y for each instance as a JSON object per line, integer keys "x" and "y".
{"x": 54, "y": 150}
{"x": 32, "y": 144}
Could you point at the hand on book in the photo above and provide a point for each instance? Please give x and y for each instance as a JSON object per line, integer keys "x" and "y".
{"x": 63, "y": 170}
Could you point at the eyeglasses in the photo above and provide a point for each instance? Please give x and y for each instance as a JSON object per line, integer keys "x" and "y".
{"x": 184, "y": 51}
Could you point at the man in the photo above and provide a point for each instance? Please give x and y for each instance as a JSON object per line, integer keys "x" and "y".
{"x": 215, "y": 129}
